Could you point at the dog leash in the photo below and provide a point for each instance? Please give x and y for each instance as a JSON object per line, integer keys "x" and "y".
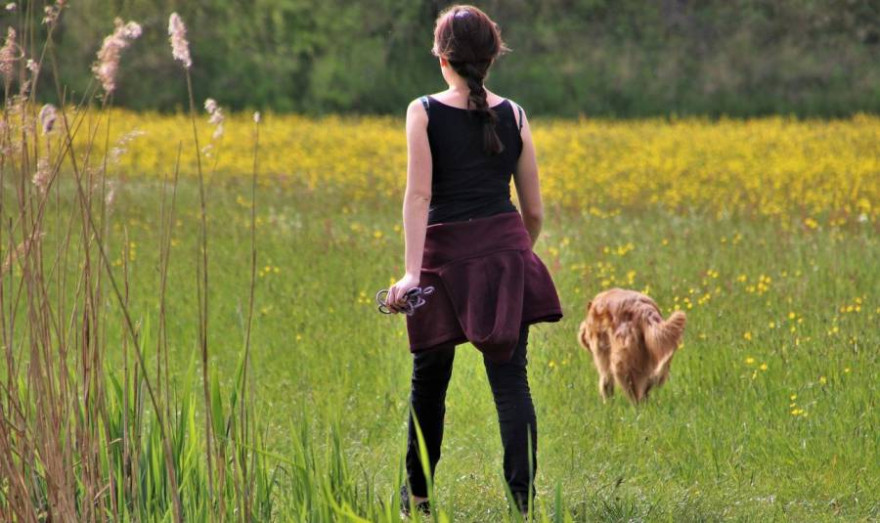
{"x": 414, "y": 300}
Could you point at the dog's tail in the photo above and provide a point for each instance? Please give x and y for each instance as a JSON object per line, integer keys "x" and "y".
{"x": 663, "y": 337}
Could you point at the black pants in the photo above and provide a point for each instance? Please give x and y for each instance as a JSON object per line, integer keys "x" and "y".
{"x": 513, "y": 400}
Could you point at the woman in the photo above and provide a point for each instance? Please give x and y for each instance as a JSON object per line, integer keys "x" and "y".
{"x": 465, "y": 238}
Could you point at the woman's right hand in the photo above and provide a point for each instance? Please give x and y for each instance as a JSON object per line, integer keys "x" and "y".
{"x": 396, "y": 298}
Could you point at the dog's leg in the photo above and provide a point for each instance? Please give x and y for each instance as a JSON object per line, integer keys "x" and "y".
{"x": 648, "y": 386}
{"x": 628, "y": 384}
{"x": 641, "y": 389}
{"x": 600, "y": 349}
{"x": 606, "y": 387}
{"x": 639, "y": 395}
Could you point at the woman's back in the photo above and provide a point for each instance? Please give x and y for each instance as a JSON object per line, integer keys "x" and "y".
{"x": 467, "y": 182}
{"x": 486, "y": 285}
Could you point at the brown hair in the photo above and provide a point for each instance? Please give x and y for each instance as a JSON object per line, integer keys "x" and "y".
{"x": 470, "y": 41}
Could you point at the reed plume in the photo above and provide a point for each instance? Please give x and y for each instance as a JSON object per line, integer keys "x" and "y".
{"x": 8, "y": 55}
{"x": 52, "y": 12}
{"x": 107, "y": 66}
{"x": 216, "y": 117}
{"x": 48, "y": 115}
{"x": 177, "y": 37}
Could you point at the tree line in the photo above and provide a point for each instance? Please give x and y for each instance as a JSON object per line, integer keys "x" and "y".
{"x": 610, "y": 58}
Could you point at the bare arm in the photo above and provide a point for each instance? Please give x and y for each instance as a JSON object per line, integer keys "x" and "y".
{"x": 527, "y": 187}
{"x": 416, "y": 199}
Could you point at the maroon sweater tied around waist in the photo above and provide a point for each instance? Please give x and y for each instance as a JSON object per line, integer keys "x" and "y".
{"x": 487, "y": 284}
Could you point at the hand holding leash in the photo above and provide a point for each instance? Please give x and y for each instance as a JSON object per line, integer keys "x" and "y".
{"x": 396, "y": 298}
{"x": 411, "y": 300}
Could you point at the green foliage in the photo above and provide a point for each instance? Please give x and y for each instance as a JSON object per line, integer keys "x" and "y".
{"x": 570, "y": 57}
{"x": 132, "y": 456}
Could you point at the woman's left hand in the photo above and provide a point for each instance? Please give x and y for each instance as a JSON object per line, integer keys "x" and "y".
{"x": 396, "y": 297}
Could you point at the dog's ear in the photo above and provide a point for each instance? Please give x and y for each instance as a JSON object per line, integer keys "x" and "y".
{"x": 582, "y": 335}
{"x": 589, "y": 304}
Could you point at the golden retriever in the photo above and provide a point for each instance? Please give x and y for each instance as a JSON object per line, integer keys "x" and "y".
{"x": 630, "y": 341}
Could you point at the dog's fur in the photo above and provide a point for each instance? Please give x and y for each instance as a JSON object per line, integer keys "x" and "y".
{"x": 630, "y": 341}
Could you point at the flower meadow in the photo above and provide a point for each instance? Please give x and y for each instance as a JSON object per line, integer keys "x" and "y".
{"x": 190, "y": 332}
{"x": 770, "y": 411}
{"x": 799, "y": 172}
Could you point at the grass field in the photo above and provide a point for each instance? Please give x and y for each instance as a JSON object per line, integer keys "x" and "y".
{"x": 189, "y": 332}
{"x": 770, "y": 248}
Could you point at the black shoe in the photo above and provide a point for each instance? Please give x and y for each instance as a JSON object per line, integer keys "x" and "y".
{"x": 422, "y": 507}
{"x": 521, "y": 504}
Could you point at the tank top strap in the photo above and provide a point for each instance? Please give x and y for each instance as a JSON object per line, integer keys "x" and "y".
{"x": 520, "y": 112}
{"x": 425, "y": 102}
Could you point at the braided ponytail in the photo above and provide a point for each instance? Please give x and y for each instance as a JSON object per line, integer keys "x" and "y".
{"x": 471, "y": 41}
{"x": 477, "y": 101}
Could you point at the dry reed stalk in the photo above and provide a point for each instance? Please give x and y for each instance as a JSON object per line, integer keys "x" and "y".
{"x": 180, "y": 52}
{"x": 249, "y": 481}
{"x": 60, "y": 433}
{"x": 89, "y": 223}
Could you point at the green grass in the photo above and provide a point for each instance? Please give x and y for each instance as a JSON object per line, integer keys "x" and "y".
{"x": 113, "y": 391}
{"x": 718, "y": 442}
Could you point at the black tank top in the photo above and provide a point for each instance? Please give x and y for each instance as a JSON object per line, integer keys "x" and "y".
{"x": 467, "y": 182}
